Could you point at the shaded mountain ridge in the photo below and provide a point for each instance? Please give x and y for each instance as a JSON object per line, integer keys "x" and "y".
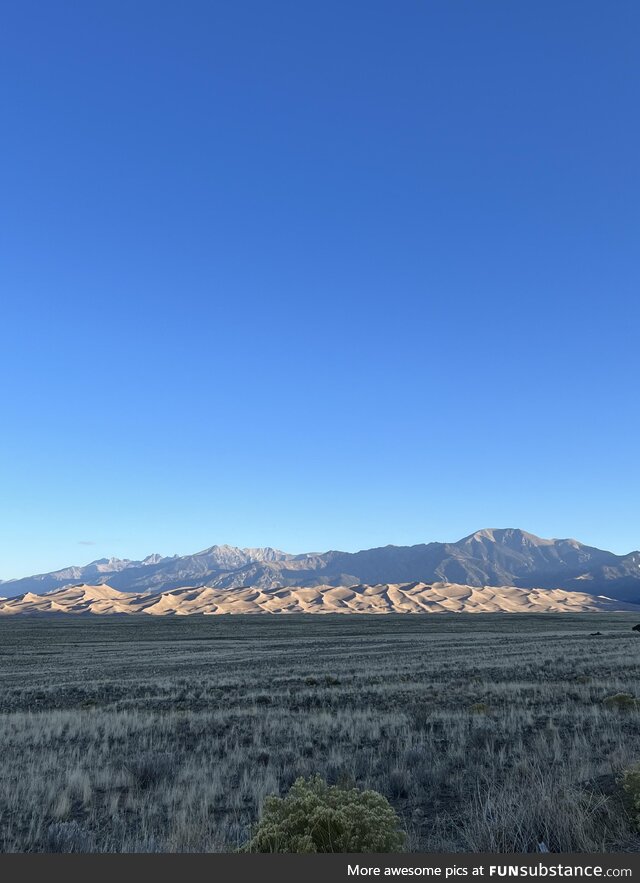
{"x": 492, "y": 557}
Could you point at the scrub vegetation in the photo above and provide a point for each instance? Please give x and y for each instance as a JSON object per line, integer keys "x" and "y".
{"x": 484, "y": 732}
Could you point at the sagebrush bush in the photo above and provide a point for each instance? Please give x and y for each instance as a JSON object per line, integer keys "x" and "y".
{"x": 621, "y": 701}
{"x": 631, "y": 787}
{"x": 150, "y": 769}
{"x": 316, "y": 817}
{"x": 479, "y": 708}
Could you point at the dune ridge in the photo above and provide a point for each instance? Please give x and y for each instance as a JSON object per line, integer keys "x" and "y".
{"x": 414, "y": 597}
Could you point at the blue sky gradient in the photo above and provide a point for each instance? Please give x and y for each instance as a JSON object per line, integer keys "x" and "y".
{"x": 316, "y": 275}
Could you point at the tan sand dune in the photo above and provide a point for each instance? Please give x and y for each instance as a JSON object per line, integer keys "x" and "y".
{"x": 416, "y": 597}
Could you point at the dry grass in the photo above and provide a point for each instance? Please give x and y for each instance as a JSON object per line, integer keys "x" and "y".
{"x": 485, "y": 732}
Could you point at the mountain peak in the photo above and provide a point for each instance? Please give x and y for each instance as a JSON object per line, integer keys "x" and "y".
{"x": 110, "y": 562}
{"x": 154, "y": 558}
{"x": 508, "y": 536}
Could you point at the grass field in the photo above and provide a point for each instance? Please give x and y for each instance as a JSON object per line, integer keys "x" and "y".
{"x": 486, "y": 732}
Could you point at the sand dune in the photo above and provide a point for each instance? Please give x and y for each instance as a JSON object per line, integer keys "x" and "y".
{"x": 416, "y": 597}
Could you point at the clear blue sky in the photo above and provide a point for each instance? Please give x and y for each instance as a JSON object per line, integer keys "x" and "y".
{"x": 316, "y": 274}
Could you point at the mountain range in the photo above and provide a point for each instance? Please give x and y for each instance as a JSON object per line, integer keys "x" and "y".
{"x": 496, "y": 557}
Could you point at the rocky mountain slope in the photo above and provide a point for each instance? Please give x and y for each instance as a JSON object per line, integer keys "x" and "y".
{"x": 414, "y": 597}
{"x": 486, "y": 558}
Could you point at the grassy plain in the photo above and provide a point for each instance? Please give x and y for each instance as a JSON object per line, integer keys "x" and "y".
{"x": 486, "y": 732}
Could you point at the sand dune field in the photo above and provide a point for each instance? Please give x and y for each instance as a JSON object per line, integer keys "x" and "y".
{"x": 415, "y": 597}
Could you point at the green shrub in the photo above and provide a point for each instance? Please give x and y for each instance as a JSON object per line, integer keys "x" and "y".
{"x": 621, "y": 701}
{"x": 479, "y": 708}
{"x": 631, "y": 787}
{"x": 150, "y": 768}
{"x": 316, "y": 817}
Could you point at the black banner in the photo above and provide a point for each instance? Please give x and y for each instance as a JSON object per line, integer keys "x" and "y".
{"x": 323, "y": 868}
